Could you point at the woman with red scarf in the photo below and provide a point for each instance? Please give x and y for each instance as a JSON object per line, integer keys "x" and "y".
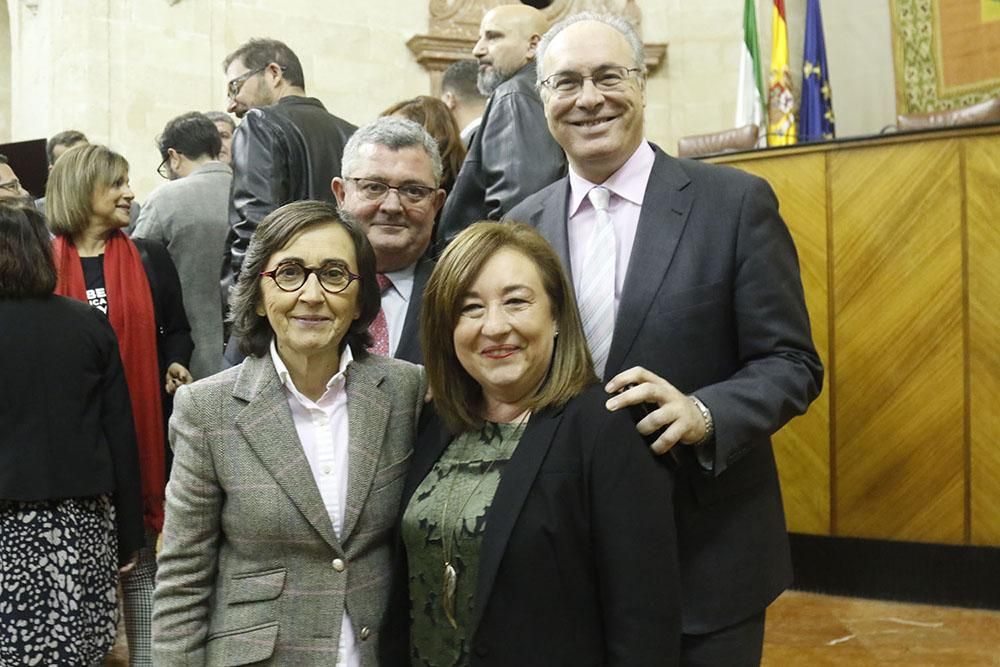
{"x": 136, "y": 285}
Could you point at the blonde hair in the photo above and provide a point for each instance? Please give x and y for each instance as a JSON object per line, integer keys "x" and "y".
{"x": 457, "y": 396}
{"x": 75, "y": 178}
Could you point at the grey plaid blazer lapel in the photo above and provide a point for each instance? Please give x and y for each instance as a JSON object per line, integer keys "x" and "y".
{"x": 266, "y": 424}
{"x": 367, "y": 418}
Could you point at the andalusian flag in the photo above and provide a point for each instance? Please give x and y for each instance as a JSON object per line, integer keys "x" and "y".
{"x": 816, "y": 111}
{"x": 750, "y": 94}
{"x": 780, "y": 99}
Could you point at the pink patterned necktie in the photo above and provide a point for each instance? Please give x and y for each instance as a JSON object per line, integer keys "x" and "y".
{"x": 379, "y": 328}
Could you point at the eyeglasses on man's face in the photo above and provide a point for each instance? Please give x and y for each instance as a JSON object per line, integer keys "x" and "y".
{"x": 374, "y": 190}
{"x": 236, "y": 84}
{"x": 606, "y": 79}
{"x": 164, "y": 168}
{"x": 333, "y": 276}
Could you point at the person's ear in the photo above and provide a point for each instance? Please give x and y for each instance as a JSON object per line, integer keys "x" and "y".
{"x": 448, "y": 98}
{"x": 337, "y": 186}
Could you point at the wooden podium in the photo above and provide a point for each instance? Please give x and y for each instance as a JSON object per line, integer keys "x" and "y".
{"x": 899, "y": 244}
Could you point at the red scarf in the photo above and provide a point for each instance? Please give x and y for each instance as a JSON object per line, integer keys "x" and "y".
{"x": 130, "y": 311}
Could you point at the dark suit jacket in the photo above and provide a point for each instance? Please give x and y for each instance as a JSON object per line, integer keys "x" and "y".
{"x": 578, "y": 564}
{"x": 65, "y": 422}
{"x": 512, "y": 155}
{"x": 408, "y": 348}
{"x": 713, "y": 303}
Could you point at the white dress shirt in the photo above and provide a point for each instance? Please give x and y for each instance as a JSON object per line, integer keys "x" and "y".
{"x": 323, "y": 433}
{"x": 395, "y": 303}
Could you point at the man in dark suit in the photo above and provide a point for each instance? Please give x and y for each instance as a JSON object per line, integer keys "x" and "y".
{"x": 688, "y": 286}
{"x": 512, "y": 154}
{"x": 391, "y": 185}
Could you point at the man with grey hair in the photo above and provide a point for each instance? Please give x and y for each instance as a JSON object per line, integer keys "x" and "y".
{"x": 390, "y": 183}
{"x": 688, "y": 286}
{"x": 512, "y": 154}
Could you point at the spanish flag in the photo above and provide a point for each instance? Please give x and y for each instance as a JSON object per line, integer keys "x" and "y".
{"x": 780, "y": 100}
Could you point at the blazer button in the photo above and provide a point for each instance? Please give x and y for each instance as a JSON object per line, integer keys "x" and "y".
{"x": 365, "y": 632}
{"x": 339, "y": 565}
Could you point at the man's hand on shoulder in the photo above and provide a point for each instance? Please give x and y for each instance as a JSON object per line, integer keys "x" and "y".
{"x": 675, "y": 411}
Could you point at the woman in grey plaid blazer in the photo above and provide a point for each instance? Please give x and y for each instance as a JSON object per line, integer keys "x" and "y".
{"x": 288, "y": 468}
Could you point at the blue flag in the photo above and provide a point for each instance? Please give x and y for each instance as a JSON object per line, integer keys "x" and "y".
{"x": 816, "y": 109}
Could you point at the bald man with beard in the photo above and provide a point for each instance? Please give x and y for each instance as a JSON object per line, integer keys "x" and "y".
{"x": 512, "y": 155}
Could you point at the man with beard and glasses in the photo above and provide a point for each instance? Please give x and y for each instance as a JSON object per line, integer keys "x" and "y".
{"x": 512, "y": 155}
{"x": 391, "y": 184}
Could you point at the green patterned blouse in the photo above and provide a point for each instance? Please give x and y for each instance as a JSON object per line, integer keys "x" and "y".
{"x": 455, "y": 495}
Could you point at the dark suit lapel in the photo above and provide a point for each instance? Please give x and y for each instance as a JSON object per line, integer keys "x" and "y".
{"x": 433, "y": 439}
{"x": 550, "y": 220}
{"x": 266, "y": 424}
{"x": 665, "y": 209}
{"x": 367, "y": 418}
{"x": 409, "y": 339}
{"x": 515, "y": 484}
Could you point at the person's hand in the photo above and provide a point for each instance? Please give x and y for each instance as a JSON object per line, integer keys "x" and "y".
{"x": 675, "y": 410}
{"x": 127, "y": 567}
{"x": 176, "y": 376}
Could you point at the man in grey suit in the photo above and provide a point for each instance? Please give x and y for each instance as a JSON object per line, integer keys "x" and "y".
{"x": 391, "y": 185}
{"x": 512, "y": 153}
{"x": 190, "y": 216}
{"x": 689, "y": 291}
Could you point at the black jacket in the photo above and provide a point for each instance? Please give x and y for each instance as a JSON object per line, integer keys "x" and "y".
{"x": 511, "y": 156}
{"x": 65, "y": 419}
{"x": 578, "y": 564}
{"x": 289, "y": 151}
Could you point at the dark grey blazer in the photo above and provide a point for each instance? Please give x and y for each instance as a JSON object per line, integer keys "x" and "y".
{"x": 713, "y": 303}
{"x": 512, "y": 155}
{"x": 408, "y": 348}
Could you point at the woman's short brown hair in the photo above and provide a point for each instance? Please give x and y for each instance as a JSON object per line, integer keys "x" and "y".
{"x": 433, "y": 115}
{"x": 26, "y": 266}
{"x": 274, "y": 233}
{"x": 457, "y": 396}
{"x": 75, "y": 177}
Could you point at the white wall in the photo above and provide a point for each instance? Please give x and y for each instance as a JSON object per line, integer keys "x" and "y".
{"x": 120, "y": 69}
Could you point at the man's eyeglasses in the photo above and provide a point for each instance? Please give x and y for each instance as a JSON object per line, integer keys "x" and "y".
{"x": 13, "y": 185}
{"x": 373, "y": 190}
{"x": 290, "y": 276}
{"x": 164, "y": 168}
{"x": 607, "y": 79}
{"x": 235, "y": 85}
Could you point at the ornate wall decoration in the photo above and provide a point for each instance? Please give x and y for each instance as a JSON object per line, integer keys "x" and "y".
{"x": 454, "y": 26}
{"x": 935, "y": 67}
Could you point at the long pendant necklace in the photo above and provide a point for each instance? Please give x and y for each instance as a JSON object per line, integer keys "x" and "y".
{"x": 449, "y": 586}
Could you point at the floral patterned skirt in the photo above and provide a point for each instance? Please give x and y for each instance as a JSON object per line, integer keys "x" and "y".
{"x": 58, "y": 581}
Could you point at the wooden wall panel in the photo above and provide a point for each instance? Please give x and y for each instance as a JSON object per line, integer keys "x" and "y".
{"x": 802, "y": 448}
{"x": 897, "y": 308}
{"x": 983, "y": 215}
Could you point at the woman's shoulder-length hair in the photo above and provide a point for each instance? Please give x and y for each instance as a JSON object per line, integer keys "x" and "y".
{"x": 75, "y": 177}
{"x": 26, "y": 266}
{"x": 274, "y": 233}
{"x": 457, "y": 396}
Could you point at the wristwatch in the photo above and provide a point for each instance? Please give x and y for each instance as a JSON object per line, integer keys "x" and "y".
{"x": 707, "y": 416}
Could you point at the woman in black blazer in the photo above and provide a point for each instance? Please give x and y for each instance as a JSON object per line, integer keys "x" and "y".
{"x": 537, "y": 526}
{"x": 134, "y": 283}
{"x": 70, "y": 508}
